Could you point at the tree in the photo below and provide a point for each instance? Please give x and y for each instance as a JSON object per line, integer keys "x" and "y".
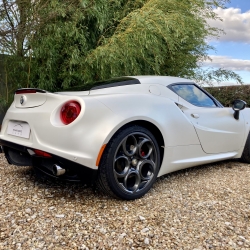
{"x": 18, "y": 21}
{"x": 72, "y": 42}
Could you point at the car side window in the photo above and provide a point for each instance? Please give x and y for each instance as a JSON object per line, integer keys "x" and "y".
{"x": 193, "y": 95}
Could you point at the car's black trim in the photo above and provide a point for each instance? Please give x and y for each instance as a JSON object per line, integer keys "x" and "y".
{"x": 113, "y": 82}
{"x": 13, "y": 145}
{"x": 116, "y": 82}
{"x": 18, "y": 155}
{"x": 219, "y": 105}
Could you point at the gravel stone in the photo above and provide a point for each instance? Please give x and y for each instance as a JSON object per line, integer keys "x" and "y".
{"x": 242, "y": 238}
{"x": 205, "y": 207}
{"x": 141, "y": 217}
{"x": 144, "y": 230}
{"x": 28, "y": 210}
{"x": 60, "y": 215}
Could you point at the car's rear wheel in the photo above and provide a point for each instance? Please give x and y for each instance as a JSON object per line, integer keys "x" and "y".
{"x": 130, "y": 163}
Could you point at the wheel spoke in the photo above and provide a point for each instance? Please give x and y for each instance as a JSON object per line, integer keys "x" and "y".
{"x": 146, "y": 169}
{"x": 129, "y": 145}
{"x": 132, "y": 181}
{"x": 122, "y": 166}
{"x": 142, "y": 184}
{"x": 145, "y": 148}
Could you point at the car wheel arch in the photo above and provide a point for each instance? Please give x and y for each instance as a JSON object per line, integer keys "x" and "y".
{"x": 152, "y": 128}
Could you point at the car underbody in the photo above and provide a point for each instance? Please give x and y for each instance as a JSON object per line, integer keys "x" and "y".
{"x": 51, "y": 165}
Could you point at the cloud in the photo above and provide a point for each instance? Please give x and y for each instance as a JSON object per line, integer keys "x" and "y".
{"x": 227, "y": 62}
{"x": 235, "y": 24}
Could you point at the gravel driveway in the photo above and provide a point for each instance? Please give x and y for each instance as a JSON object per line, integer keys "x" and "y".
{"x": 205, "y": 207}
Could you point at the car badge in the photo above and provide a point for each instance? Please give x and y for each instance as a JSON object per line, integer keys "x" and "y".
{"x": 22, "y": 99}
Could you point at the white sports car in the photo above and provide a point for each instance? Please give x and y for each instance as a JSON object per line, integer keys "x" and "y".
{"x": 123, "y": 133}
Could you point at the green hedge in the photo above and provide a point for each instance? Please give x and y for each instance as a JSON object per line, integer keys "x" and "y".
{"x": 227, "y": 94}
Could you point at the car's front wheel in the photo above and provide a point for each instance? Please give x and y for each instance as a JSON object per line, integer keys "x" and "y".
{"x": 130, "y": 163}
{"x": 246, "y": 152}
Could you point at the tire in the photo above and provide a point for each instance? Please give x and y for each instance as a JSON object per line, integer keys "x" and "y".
{"x": 246, "y": 152}
{"x": 130, "y": 163}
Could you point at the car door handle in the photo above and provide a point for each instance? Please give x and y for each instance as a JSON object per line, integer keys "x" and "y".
{"x": 195, "y": 116}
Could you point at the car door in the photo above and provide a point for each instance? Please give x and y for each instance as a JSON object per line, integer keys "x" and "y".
{"x": 216, "y": 127}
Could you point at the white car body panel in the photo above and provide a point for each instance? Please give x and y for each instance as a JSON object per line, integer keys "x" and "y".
{"x": 217, "y": 130}
{"x": 46, "y": 135}
{"x": 188, "y": 141}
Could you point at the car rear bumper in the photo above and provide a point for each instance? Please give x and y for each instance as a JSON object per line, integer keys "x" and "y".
{"x": 19, "y": 155}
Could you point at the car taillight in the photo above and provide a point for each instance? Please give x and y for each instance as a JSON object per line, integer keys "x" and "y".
{"x": 70, "y": 111}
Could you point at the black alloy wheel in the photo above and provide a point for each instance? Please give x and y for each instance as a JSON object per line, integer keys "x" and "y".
{"x": 130, "y": 163}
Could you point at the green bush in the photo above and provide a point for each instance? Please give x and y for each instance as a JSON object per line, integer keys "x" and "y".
{"x": 227, "y": 94}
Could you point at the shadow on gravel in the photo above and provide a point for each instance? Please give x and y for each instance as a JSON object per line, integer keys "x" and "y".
{"x": 58, "y": 189}
{"x": 55, "y": 188}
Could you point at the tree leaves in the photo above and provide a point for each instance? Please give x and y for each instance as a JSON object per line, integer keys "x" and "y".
{"x": 74, "y": 42}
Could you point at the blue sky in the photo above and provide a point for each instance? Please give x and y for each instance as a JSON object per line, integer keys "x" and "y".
{"x": 233, "y": 48}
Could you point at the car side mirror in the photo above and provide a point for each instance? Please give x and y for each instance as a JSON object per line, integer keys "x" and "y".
{"x": 238, "y": 105}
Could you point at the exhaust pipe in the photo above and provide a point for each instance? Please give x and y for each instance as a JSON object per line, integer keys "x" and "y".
{"x": 57, "y": 170}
